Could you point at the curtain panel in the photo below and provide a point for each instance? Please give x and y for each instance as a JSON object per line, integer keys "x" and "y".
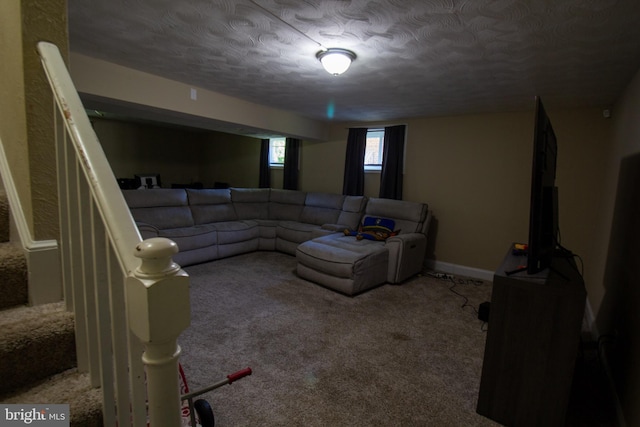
{"x": 392, "y": 163}
{"x": 353, "y": 183}
{"x": 291, "y": 167}
{"x": 265, "y": 171}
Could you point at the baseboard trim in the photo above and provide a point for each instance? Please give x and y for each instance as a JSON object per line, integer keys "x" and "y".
{"x": 45, "y": 280}
{"x": 459, "y": 270}
{"x": 45, "y": 277}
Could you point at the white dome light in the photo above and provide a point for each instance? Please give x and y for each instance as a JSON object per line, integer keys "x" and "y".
{"x": 336, "y": 61}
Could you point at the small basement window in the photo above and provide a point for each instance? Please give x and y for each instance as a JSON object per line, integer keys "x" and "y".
{"x": 374, "y": 150}
{"x": 276, "y": 152}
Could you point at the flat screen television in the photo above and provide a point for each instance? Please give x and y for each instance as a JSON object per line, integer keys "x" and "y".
{"x": 543, "y": 215}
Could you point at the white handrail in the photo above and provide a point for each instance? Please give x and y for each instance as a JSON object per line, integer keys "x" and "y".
{"x": 124, "y": 291}
{"x": 121, "y": 227}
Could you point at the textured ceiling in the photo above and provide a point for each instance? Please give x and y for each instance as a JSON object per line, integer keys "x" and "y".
{"x": 415, "y": 58}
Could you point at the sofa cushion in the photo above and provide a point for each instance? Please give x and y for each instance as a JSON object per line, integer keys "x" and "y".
{"x": 250, "y": 195}
{"x": 164, "y": 217}
{"x": 155, "y": 197}
{"x": 238, "y": 248}
{"x": 236, "y": 231}
{"x": 294, "y": 231}
{"x": 409, "y": 216}
{"x": 267, "y": 227}
{"x": 208, "y": 196}
{"x": 213, "y": 213}
{"x": 352, "y": 209}
{"x": 162, "y": 208}
{"x": 189, "y": 238}
{"x": 196, "y": 256}
{"x": 286, "y": 204}
{"x": 211, "y": 205}
{"x": 251, "y": 203}
{"x": 322, "y": 208}
{"x": 343, "y": 256}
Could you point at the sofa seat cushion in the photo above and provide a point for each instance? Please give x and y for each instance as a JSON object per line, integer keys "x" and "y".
{"x": 267, "y": 227}
{"x": 343, "y": 256}
{"x": 236, "y": 231}
{"x": 189, "y": 238}
{"x": 343, "y": 263}
{"x": 294, "y": 231}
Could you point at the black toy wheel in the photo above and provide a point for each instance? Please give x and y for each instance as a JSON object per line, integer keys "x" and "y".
{"x": 204, "y": 412}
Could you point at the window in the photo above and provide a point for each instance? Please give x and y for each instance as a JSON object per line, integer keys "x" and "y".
{"x": 276, "y": 151}
{"x": 374, "y": 149}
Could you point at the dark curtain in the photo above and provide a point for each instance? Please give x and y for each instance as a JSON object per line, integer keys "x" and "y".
{"x": 353, "y": 183}
{"x": 265, "y": 171}
{"x": 392, "y": 163}
{"x": 291, "y": 156}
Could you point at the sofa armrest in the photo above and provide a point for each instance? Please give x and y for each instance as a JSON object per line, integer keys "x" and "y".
{"x": 406, "y": 255}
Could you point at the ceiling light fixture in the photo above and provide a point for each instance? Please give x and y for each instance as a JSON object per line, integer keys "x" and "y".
{"x": 335, "y": 60}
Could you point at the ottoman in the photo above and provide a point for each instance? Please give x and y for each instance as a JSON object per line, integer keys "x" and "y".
{"x": 343, "y": 263}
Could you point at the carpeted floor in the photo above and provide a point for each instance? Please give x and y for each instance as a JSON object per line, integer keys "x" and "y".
{"x": 407, "y": 355}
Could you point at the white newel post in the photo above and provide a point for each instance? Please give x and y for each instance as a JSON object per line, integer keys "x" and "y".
{"x": 159, "y": 310}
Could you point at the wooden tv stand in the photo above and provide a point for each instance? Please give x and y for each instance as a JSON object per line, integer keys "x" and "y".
{"x": 532, "y": 343}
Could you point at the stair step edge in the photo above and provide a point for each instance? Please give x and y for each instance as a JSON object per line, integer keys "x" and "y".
{"x": 24, "y": 313}
{"x": 69, "y": 387}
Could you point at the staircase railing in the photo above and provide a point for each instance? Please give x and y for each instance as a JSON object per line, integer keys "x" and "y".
{"x": 131, "y": 301}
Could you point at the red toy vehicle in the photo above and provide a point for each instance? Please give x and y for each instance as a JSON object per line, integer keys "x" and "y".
{"x": 199, "y": 412}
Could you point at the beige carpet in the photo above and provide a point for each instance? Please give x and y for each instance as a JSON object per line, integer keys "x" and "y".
{"x": 406, "y": 355}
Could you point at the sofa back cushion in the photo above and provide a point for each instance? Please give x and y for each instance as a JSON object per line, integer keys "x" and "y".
{"x": 251, "y": 203}
{"x": 322, "y": 208}
{"x": 352, "y": 210}
{"x": 408, "y": 216}
{"x": 286, "y": 205}
{"x": 209, "y": 206}
{"x": 163, "y": 208}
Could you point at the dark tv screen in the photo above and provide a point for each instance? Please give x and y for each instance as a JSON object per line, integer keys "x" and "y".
{"x": 543, "y": 215}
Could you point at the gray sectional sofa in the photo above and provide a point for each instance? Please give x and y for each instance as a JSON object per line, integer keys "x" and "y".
{"x": 351, "y": 266}
{"x": 209, "y": 224}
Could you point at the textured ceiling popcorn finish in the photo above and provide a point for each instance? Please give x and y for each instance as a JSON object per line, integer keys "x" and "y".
{"x": 414, "y": 58}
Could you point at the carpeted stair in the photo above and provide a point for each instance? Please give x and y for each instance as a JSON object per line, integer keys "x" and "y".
{"x": 37, "y": 344}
